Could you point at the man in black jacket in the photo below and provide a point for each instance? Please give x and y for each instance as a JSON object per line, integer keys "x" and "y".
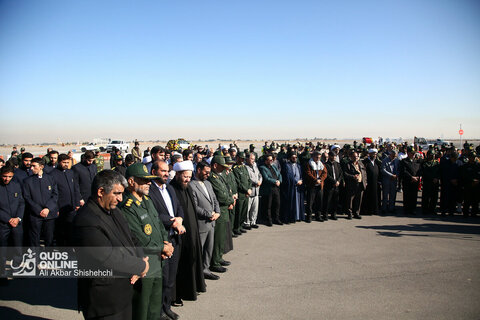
{"x": 84, "y": 172}
{"x": 41, "y": 195}
{"x": 171, "y": 214}
{"x": 68, "y": 199}
{"x": 103, "y": 241}
{"x": 410, "y": 172}
{"x": 331, "y": 187}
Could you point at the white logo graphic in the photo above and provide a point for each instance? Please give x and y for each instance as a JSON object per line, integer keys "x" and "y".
{"x": 28, "y": 265}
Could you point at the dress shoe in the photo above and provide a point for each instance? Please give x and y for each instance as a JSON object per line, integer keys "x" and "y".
{"x": 325, "y": 218}
{"x": 171, "y": 314}
{"x": 349, "y": 216}
{"x": 243, "y": 231}
{"x": 234, "y": 235}
{"x": 177, "y": 303}
{"x": 225, "y": 263}
{"x": 278, "y": 222}
{"x": 334, "y": 217}
{"x": 357, "y": 216}
{"x": 255, "y": 226}
{"x": 246, "y": 226}
{"x": 268, "y": 224}
{"x": 237, "y": 232}
{"x": 319, "y": 219}
{"x": 218, "y": 269}
{"x": 211, "y": 276}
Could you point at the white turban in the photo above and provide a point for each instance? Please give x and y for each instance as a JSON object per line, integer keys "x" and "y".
{"x": 335, "y": 146}
{"x": 183, "y": 165}
{"x": 372, "y": 150}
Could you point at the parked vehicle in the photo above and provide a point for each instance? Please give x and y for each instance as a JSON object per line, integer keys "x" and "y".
{"x": 119, "y": 144}
{"x": 92, "y": 147}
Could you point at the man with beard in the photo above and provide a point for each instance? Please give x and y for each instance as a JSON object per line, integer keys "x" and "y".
{"x": 410, "y": 172}
{"x": 355, "y": 183}
{"x": 53, "y": 156}
{"x": 389, "y": 181}
{"x": 207, "y": 211}
{"x": 370, "y": 196}
{"x": 157, "y": 154}
{"x": 84, "y": 172}
{"x": 68, "y": 200}
{"x": 225, "y": 200}
{"x": 332, "y": 185}
{"x": 253, "y": 199}
{"x": 292, "y": 190}
{"x": 244, "y": 190}
{"x": 190, "y": 279}
{"x": 12, "y": 207}
{"x": 430, "y": 170}
{"x": 149, "y": 234}
{"x": 270, "y": 191}
{"x": 41, "y": 195}
{"x": 23, "y": 172}
{"x": 315, "y": 173}
{"x": 171, "y": 214}
{"x": 103, "y": 241}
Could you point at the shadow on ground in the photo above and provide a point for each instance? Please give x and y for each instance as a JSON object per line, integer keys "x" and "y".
{"x": 9, "y": 313}
{"x": 425, "y": 229}
{"x": 58, "y": 293}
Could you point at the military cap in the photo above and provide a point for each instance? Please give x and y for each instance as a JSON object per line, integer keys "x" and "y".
{"x": 118, "y": 157}
{"x": 218, "y": 153}
{"x": 218, "y": 159}
{"x": 252, "y": 145}
{"x": 229, "y": 160}
{"x": 139, "y": 170}
{"x": 241, "y": 154}
{"x": 22, "y": 149}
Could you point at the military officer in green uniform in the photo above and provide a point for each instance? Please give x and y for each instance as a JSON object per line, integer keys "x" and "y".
{"x": 149, "y": 233}
{"x": 232, "y": 188}
{"x": 225, "y": 200}
{"x": 99, "y": 161}
{"x": 244, "y": 190}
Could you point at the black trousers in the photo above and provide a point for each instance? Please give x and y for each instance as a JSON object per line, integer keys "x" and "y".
{"x": 271, "y": 205}
{"x": 39, "y": 226}
{"x": 169, "y": 273}
{"x": 330, "y": 203}
{"x": 314, "y": 202}
{"x": 353, "y": 199}
{"x": 410, "y": 192}
{"x": 15, "y": 236}
{"x": 429, "y": 196}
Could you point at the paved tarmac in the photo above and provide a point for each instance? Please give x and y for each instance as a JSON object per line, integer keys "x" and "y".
{"x": 375, "y": 268}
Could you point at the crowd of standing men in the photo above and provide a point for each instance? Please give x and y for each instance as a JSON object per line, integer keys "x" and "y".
{"x": 169, "y": 217}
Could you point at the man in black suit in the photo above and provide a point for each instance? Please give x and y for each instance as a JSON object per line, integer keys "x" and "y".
{"x": 332, "y": 187}
{"x": 103, "y": 241}
{"x": 410, "y": 172}
{"x": 355, "y": 183}
{"x": 171, "y": 214}
{"x": 84, "y": 172}
{"x": 41, "y": 195}
{"x": 68, "y": 199}
{"x": 53, "y": 156}
{"x": 370, "y": 196}
{"x": 23, "y": 171}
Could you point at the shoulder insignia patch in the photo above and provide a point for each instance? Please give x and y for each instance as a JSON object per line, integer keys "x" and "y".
{"x": 137, "y": 202}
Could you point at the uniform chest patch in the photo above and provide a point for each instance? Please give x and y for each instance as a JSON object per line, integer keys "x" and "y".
{"x": 16, "y": 195}
{"x": 49, "y": 188}
{"x": 144, "y": 216}
{"x": 147, "y": 229}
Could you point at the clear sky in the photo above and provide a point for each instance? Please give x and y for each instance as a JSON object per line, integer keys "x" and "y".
{"x": 76, "y": 70}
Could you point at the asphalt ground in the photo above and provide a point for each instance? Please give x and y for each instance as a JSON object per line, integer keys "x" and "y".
{"x": 391, "y": 267}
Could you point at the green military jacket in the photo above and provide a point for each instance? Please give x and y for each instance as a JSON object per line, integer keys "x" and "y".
{"x": 230, "y": 181}
{"x": 242, "y": 179}
{"x": 147, "y": 230}
{"x": 222, "y": 193}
